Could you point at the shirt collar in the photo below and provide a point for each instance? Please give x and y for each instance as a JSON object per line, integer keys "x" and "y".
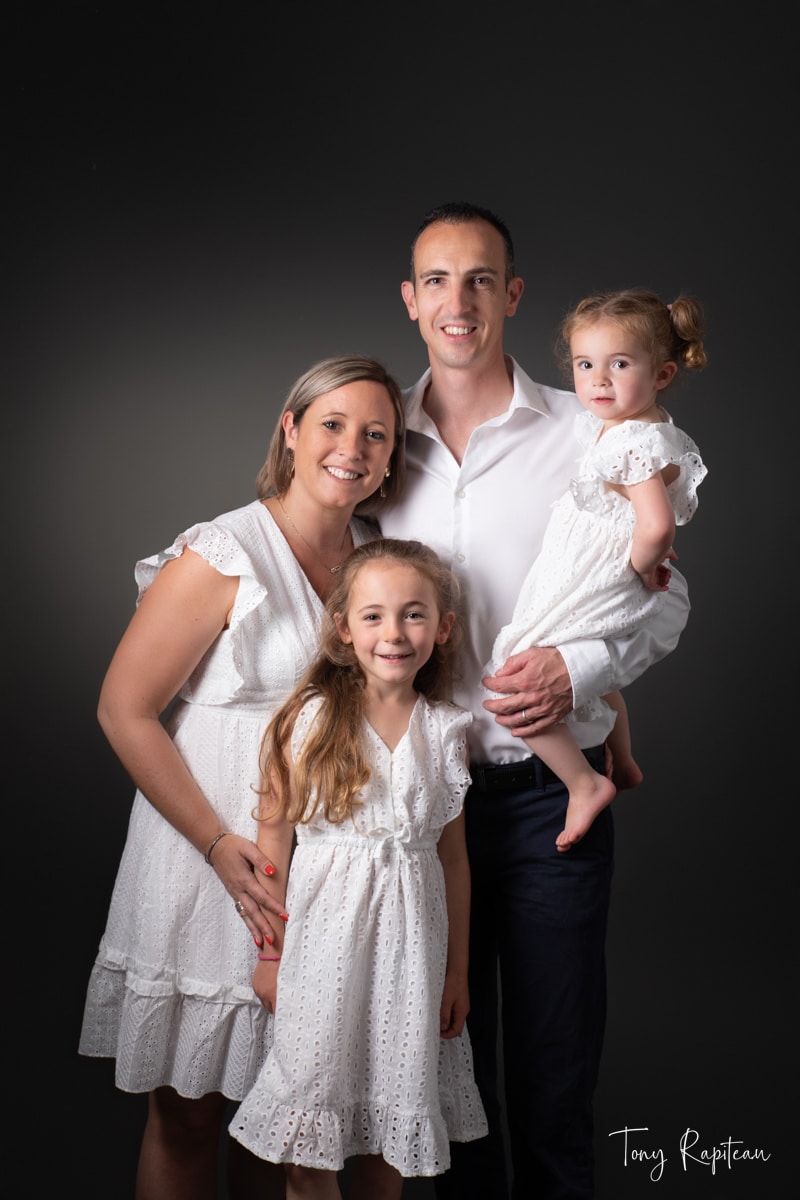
{"x": 526, "y": 394}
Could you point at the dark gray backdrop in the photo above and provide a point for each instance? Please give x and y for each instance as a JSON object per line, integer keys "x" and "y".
{"x": 206, "y": 200}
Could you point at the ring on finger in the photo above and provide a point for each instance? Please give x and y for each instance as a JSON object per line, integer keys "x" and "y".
{"x": 524, "y": 717}
{"x": 239, "y": 908}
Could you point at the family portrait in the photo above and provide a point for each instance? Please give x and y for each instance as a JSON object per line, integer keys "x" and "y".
{"x": 380, "y": 389}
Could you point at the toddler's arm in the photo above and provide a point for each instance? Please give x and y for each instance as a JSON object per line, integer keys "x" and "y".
{"x": 654, "y": 531}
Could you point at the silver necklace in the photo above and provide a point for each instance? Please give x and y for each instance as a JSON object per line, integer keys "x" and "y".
{"x": 333, "y": 570}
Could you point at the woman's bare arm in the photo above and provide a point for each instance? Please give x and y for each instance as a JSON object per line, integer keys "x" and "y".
{"x": 180, "y": 615}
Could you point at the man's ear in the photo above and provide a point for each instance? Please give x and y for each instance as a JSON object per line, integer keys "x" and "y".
{"x": 515, "y": 290}
{"x": 409, "y": 299}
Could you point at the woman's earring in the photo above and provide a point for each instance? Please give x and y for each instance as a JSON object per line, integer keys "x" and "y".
{"x": 386, "y": 475}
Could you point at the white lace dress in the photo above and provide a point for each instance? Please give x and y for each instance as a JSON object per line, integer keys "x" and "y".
{"x": 357, "y": 1065}
{"x": 169, "y": 995}
{"x": 582, "y": 584}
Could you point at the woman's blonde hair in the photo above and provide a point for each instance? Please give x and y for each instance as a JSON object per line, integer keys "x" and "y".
{"x": 332, "y": 767}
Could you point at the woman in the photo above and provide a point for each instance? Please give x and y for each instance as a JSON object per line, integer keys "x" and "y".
{"x": 228, "y": 620}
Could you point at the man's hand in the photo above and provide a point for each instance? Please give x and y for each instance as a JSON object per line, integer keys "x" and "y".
{"x": 536, "y": 691}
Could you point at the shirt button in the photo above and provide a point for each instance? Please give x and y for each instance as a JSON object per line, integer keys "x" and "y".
{"x": 460, "y": 494}
{"x": 460, "y": 557}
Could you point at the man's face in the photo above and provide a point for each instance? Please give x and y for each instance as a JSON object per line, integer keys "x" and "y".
{"x": 460, "y": 298}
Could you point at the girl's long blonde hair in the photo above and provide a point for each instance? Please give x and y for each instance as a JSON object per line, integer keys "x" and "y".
{"x": 332, "y": 767}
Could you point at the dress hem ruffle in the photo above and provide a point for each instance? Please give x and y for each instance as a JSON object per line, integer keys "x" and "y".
{"x": 189, "y": 1042}
{"x": 415, "y": 1144}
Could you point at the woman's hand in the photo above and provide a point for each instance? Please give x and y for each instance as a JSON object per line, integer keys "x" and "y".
{"x": 245, "y": 872}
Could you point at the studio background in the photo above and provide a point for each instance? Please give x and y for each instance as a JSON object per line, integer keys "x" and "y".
{"x": 206, "y": 201}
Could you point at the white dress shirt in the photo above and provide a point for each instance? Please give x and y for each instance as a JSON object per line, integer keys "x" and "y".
{"x": 485, "y": 518}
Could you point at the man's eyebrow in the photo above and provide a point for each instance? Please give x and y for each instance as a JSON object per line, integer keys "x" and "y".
{"x": 472, "y": 271}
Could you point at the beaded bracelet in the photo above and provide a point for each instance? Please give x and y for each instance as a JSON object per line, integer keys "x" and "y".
{"x": 207, "y": 855}
{"x": 268, "y": 957}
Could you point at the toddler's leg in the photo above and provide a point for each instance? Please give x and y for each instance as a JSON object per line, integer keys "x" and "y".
{"x": 589, "y": 792}
{"x": 625, "y": 771}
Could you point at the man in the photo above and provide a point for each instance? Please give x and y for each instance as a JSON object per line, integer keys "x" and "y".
{"x": 488, "y": 450}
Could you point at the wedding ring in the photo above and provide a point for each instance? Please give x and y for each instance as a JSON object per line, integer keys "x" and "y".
{"x": 524, "y": 717}
{"x": 239, "y": 907}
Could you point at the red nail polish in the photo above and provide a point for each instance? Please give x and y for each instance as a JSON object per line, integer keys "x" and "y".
{"x": 269, "y": 869}
{"x": 284, "y": 916}
{"x": 268, "y": 939}
{"x": 257, "y": 941}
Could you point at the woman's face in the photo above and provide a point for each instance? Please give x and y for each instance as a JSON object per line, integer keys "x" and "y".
{"x": 343, "y": 443}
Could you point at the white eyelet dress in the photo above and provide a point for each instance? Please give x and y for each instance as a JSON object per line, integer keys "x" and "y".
{"x": 169, "y": 995}
{"x": 358, "y": 1065}
{"x": 582, "y": 584}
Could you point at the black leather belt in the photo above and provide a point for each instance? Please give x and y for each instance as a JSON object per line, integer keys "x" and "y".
{"x": 526, "y": 775}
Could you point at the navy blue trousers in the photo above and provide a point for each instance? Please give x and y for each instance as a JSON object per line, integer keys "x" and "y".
{"x": 542, "y": 916}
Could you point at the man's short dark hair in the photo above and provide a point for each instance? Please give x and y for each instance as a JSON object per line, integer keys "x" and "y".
{"x": 460, "y": 212}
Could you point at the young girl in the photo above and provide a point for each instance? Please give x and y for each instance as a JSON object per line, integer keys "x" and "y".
{"x": 366, "y": 764}
{"x": 603, "y": 563}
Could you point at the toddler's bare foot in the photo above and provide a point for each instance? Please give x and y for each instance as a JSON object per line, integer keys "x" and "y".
{"x": 583, "y": 807}
{"x": 626, "y": 774}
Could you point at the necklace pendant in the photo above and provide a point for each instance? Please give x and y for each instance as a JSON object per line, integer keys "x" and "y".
{"x": 333, "y": 570}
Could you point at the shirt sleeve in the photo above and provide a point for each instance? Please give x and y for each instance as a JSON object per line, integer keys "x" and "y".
{"x": 598, "y": 667}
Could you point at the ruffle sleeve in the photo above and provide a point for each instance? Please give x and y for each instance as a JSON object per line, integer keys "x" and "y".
{"x": 634, "y": 451}
{"x": 453, "y": 724}
{"x": 221, "y": 550}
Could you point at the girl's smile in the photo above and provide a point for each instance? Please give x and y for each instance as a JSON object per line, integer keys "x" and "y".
{"x": 392, "y": 622}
